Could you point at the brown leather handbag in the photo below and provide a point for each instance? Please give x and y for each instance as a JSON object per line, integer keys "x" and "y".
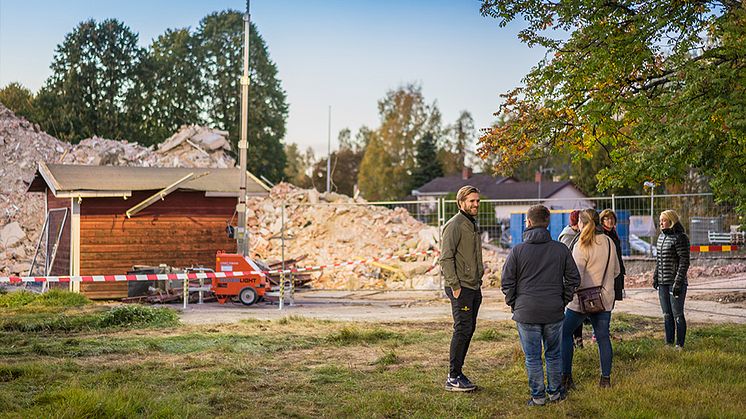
{"x": 590, "y": 299}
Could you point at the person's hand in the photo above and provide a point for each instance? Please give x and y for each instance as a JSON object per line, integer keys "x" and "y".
{"x": 456, "y": 293}
{"x": 655, "y": 284}
{"x": 676, "y": 290}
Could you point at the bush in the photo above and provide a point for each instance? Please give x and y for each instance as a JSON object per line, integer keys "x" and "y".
{"x": 52, "y": 298}
{"x": 136, "y": 315}
{"x": 59, "y": 298}
{"x": 17, "y": 299}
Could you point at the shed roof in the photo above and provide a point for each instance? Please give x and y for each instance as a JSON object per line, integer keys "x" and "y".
{"x": 80, "y": 180}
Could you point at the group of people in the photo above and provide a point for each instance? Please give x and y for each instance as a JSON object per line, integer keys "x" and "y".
{"x": 552, "y": 287}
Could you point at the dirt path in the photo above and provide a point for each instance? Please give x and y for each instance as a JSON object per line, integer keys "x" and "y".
{"x": 375, "y": 306}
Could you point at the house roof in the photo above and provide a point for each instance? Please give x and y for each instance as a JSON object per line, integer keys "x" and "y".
{"x": 86, "y": 181}
{"x": 447, "y": 184}
{"x": 526, "y": 190}
{"x": 493, "y": 187}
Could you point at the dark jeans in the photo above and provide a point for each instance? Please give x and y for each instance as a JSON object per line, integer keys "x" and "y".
{"x": 673, "y": 313}
{"x": 532, "y": 336}
{"x": 465, "y": 309}
{"x": 600, "y": 322}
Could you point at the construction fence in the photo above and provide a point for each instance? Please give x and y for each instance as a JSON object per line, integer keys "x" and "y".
{"x": 502, "y": 221}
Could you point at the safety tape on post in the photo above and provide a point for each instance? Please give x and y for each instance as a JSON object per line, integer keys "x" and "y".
{"x": 198, "y": 275}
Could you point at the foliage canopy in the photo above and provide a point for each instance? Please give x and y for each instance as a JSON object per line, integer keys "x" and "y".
{"x": 659, "y": 86}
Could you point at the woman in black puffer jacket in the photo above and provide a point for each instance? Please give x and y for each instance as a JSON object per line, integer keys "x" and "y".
{"x": 669, "y": 278}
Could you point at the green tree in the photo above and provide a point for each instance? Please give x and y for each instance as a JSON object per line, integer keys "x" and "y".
{"x": 20, "y": 100}
{"x": 221, "y": 42}
{"x": 659, "y": 87}
{"x": 95, "y": 75}
{"x": 173, "y": 87}
{"x": 405, "y": 118}
{"x": 456, "y": 143}
{"x": 297, "y": 165}
{"x": 376, "y": 172}
{"x": 344, "y": 168}
{"x": 428, "y": 167}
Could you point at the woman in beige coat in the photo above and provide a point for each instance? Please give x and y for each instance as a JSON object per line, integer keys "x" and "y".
{"x": 595, "y": 255}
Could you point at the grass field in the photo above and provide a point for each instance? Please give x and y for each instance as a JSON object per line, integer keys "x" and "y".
{"x": 82, "y": 360}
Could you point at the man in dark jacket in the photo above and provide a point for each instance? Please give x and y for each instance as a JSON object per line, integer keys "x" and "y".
{"x": 539, "y": 279}
{"x": 462, "y": 270}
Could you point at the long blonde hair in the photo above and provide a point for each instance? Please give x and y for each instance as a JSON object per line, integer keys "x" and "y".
{"x": 589, "y": 217}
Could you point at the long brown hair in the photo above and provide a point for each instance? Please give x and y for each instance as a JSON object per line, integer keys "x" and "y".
{"x": 589, "y": 217}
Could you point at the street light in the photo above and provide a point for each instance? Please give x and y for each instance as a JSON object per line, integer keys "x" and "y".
{"x": 651, "y": 185}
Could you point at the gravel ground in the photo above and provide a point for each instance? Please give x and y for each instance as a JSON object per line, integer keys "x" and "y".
{"x": 388, "y": 306}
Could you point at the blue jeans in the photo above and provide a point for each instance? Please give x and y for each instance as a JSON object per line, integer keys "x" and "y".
{"x": 600, "y": 322}
{"x": 532, "y": 336}
{"x": 673, "y": 313}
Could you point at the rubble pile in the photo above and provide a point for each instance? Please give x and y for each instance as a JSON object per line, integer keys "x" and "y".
{"x": 645, "y": 279}
{"x": 332, "y": 228}
{"x": 23, "y": 144}
{"x": 325, "y": 228}
{"x": 196, "y": 146}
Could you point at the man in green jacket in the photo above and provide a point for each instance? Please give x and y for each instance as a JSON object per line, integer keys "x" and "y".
{"x": 462, "y": 270}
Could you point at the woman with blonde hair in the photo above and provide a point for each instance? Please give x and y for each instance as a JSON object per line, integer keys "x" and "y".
{"x": 595, "y": 255}
{"x": 669, "y": 278}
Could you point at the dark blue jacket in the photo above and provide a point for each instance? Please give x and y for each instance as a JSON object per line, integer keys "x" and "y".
{"x": 539, "y": 278}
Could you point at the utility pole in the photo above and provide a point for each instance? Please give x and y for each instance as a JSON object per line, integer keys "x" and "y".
{"x": 329, "y": 153}
{"x": 242, "y": 233}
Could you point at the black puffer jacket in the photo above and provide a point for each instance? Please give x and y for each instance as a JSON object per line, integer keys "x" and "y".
{"x": 672, "y": 261}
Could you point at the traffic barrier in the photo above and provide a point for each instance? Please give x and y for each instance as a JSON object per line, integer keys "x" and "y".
{"x": 197, "y": 275}
{"x": 714, "y": 248}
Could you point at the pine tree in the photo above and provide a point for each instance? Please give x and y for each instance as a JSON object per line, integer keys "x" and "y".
{"x": 428, "y": 167}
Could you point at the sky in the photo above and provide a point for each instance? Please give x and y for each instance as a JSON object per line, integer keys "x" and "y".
{"x": 329, "y": 53}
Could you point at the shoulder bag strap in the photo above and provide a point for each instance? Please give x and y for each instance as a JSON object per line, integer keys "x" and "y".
{"x": 608, "y": 259}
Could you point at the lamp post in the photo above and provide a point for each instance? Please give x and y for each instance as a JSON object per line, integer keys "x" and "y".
{"x": 651, "y": 185}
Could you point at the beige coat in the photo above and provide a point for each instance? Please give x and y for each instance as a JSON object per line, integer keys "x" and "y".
{"x": 591, "y": 263}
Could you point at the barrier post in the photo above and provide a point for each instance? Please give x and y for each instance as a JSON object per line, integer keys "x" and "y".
{"x": 186, "y": 292}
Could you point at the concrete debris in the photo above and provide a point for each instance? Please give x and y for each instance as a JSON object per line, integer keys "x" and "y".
{"x": 196, "y": 146}
{"x": 349, "y": 230}
{"x": 23, "y": 144}
{"x": 11, "y": 234}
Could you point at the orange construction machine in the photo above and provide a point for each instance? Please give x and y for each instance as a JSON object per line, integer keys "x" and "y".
{"x": 249, "y": 288}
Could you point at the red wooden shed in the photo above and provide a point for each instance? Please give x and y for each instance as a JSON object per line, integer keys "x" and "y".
{"x": 116, "y": 217}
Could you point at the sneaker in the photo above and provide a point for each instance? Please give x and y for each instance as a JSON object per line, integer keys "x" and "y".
{"x": 557, "y": 397}
{"x": 605, "y": 382}
{"x": 678, "y": 348}
{"x": 459, "y": 384}
{"x": 536, "y": 402}
{"x": 467, "y": 381}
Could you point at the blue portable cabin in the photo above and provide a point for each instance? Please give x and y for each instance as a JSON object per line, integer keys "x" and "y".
{"x": 558, "y": 219}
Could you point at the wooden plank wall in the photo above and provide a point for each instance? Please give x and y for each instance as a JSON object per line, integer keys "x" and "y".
{"x": 61, "y": 265}
{"x": 186, "y": 229}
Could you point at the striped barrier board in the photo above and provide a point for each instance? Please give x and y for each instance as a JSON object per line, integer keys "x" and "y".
{"x": 197, "y": 275}
{"x": 714, "y": 248}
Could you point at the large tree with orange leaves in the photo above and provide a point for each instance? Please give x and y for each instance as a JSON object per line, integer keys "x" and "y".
{"x": 658, "y": 86}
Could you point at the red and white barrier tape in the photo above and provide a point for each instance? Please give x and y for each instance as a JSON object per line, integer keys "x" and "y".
{"x": 197, "y": 275}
